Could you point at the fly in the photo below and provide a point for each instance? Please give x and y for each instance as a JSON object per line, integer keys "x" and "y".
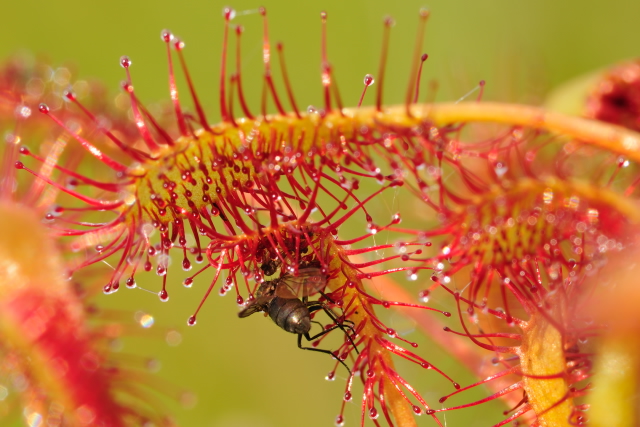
{"x": 285, "y": 299}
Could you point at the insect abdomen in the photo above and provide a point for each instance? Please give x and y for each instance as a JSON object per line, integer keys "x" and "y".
{"x": 291, "y": 315}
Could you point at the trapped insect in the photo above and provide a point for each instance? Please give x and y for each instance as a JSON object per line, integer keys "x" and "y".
{"x": 285, "y": 299}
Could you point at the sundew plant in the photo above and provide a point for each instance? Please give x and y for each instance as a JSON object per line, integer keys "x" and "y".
{"x": 397, "y": 187}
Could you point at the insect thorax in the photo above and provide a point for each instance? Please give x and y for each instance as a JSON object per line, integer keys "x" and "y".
{"x": 267, "y": 288}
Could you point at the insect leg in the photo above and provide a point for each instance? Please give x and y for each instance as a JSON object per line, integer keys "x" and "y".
{"x": 318, "y": 323}
{"x": 316, "y": 305}
{"x": 327, "y": 297}
{"x": 320, "y": 349}
{"x": 345, "y": 320}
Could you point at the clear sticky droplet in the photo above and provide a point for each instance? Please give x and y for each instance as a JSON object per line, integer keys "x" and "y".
{"x": 369, "y": 80}
{"x": 166, "y": 36}
{"x": 125, "y": 61}
{"x": 228, "y": 13}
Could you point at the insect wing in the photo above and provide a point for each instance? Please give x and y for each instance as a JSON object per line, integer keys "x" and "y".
{"x": 307, "y": 282}
{"x": 255, "y": 306}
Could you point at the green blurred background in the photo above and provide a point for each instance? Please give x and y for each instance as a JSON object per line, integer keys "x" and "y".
{"x": 248, "y": 372}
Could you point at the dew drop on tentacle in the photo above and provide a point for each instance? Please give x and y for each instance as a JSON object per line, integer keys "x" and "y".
{"x": 229, "y": 13}
{"x": 125, "y": 62}
{"x": 416, "y": 410}
{"x": 373, "y": 414}
{"x": 339, "y": 421}
{"x": 191, "y": 321}
{"x": 43, "y": 108}
{"x": 423, "y": 58}
{"x": 163, "y": 295}
{"x": 166, "y": 36}
{"x": 368, "y": 81}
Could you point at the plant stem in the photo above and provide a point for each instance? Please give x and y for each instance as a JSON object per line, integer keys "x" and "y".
{"x": 610, "y": 137}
